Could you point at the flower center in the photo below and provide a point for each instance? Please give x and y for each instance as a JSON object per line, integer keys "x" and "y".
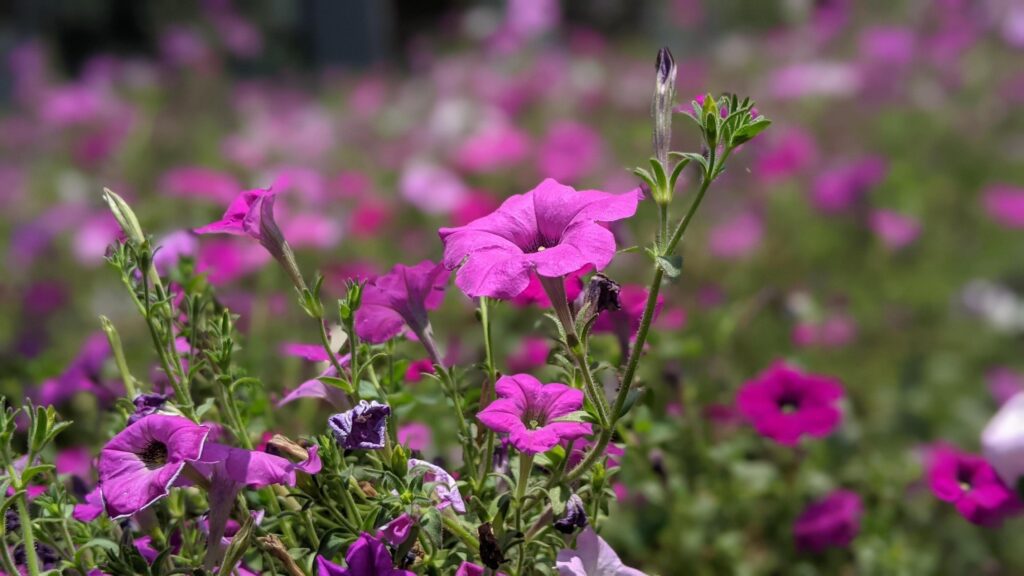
{"x": 154, "y": 455}
{"x": 789, "y": 403}
{"x": 541, "y": 248}
{"x": 963, "y": 478}
{"x": 533, "y": 424}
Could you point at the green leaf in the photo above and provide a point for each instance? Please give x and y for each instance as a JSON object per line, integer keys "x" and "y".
{"x": 748, "y": 132}
{"x": 577, "y": 416}
{"x": 337, "y": 383}
{"x": 558, "y": 496}
{"x": 645, "y": 176}
{"x": 659, "y": 173}
{"x": 671, "y": 266}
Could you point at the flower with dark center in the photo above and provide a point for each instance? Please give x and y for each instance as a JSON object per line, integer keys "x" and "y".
{"x": 786, "y": 404}
{"x": 531, "y": 413}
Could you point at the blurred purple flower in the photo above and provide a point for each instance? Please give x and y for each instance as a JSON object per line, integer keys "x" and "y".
{"x": 367, "y": 556}
{"x": 414, "y": 435}
{"x": 592, "y": 557}
{"x": 552, "y": 231}
{"x": 814, "y": 79}
{"x": 446, "y": 489}
{"x": 569, "y": 151}
{"x": 889, "y": 45}
{"x": 1005, "y": 204}
{"x": 1003, "y": 383}
{"x": 172, "y": 248}
{"x": 400, "y": 298}
{"x": 529, "y": 413}
{"x": 785, "y": 404}
{"x": 432, "y": 188}
{"x": 832, "y": 522}
{"x": 138, "y": 466}
{"x": 532, "y": 353}
{"x": 225, "y": 260}
{"x": 971, "y": 484}
{"x": 786, "y": 154}
{"x": 493, "y": 148}
{"x": 736, "y": 237}
{"x": 363, "y": 427}
{"x": 897, "y": 231}
{"x": 199, "y": 182}
{"x": 83, "y": 374}
{"x": 839, "y": 189}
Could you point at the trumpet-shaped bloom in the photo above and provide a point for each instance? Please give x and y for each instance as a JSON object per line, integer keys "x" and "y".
{"x": 400, "y": 298}
{"x": 552, "y": 230}
{"x": 971, "y": 484}
{"x": 244, "y": 215}
{"x": 592, "y": 557}
{"x": 367, "y": 556}
{"x": 361, "y": 428}
{"x": 139, "y": 465}
{"x": 529, "y": 413}
{"x": 831, "y": 522}
{"x": 786, "y": 404}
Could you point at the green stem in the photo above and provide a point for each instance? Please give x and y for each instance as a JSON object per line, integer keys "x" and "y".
{"x": 27, "y": 536}
{"x": 454, "y": 525}
{"x": 119, "y": 359}
{"x": 487, "y": 458}
{"x": 597, "y": 397}
{"x": 525, "y": 467}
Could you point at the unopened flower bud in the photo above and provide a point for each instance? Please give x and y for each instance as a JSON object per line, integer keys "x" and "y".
{"x": 125, "y": 216}
{"x": 661, "y": 107}
{"x": 575, "y": 516}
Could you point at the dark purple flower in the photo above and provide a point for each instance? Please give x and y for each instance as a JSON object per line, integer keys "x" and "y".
{"x": 786, "y": 404}
{"x": 363, "y": 427}
{"x": 552, "y": 231}
{"x": 831, "y": 522}
{"x": 575, "y": 516}
{"x": 400, "y": 298}
{"x": 971, "y": 484}
{"x": 367, "y": 556}
{"x": 146, "y": 404}
{"x": 140, "y": 464}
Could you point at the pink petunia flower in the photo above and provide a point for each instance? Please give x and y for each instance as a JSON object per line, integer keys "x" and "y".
{"x": 552, "y": 231}
{"x": 529, "y": 413}
{"x": 786, "y": 155}
{"x": 971, "y": 484}
{"x": 139, "y": 465}
{"x": 417, "y": 368}
{"x": 832, "y": 522}
{"x": 400, "y": 298}
{"x": 532, "y": 353}
{"x": 245, "y": 215}
{"x": 592, "y": 556}
{"x": 569, "y": 151}
{"x": 1005, "y": 205}
{"x": 785, "y": 404}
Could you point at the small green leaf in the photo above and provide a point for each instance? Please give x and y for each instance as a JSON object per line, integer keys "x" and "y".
{"x": 671, "y": 266}
{"x": 558, "y": 496}
{"x": 751, "y": 130}
{"x": 337, "y": 383}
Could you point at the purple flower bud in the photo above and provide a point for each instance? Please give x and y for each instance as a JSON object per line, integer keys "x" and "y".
{"x": 661, "y": 109}
{"x": 363, "y": 427}
{"x": 575, "y": 516}
{"x": 146, "y": 404}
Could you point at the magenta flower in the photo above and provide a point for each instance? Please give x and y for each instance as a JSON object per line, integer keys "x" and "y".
{"x": 470, "y": 569}
{"x": 139, "y": 465}
{"x": 414, "y": 435}
{"x": 552, "y": 230}
{"x": 367, "y": 556}
{"x": 397, "y": 531}
{"x": 592, "y": 557}
{"x": 90, "y": 509}
{"x": 417, "y": 368}
{"x": 831, "y": 522}
{"x": 786, "y": 404}
{"x": 737, "y": 237}
{"x": 315, "y": 388}
{"x": 446, "y": 489}
{"x": 971, "y": 484}
{"x": 839, "y": 189}
{"x": 1005, "y": 205}
{"x": 532, "y": 353}
{"x": 786, "y": 155}
{"x": 196, "y": 181}
{"x": 569, "y": 151}
{"x": 432, "y": 188}
{"x": 897, "y": 231}
{"x": 244, "y": 215}
{"x": 529, "y": 413}
{"x": 400, "y": 298}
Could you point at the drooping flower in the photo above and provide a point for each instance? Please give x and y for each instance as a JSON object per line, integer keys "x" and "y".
{"x": 592, "y": 557}
{"x": 400, "y": 298}
{"x": 367, "y": 556}
{"x": 364, "y": 427}
{"x": 971, "y": 484}
{"x": 831, "y": 522}
{"x": 529, "y": 413}
{"x": 575, "y": 516}
{"x": 786, "y": 404}
{"x": 1002, "y": 440}
{"x": 446, "y": 489}
{"x": 139, "y": 465}
{"x": 552, "y": 231}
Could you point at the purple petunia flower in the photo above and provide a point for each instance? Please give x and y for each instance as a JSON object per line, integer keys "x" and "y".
{"x": 575, "y": 516}
{"x": 470, "y": 569}
{"x": 786, "y": 404}
{"x": 592, "y": 557}
{"x": 139, "y": 465}
{"x": 83, "y": 374}
{"x": 90, "y": 509}
{"x": 529, "y": 413}
{"x": 245, "y": 215}
{"x": 971, "y": 484}
{"x": 363, "y": 427}
{"x": 552, "y": 230}
{"x": 831, "y": 522}
{"x": 367, "y": 556}
{"x": 446, "y": 489}
{"x": 397, "y": 531}
{"x": 400, "y": 298}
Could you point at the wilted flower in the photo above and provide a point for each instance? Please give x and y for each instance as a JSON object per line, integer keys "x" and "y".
{"x": 592, "y": 557}
{"x": 139, "y": 465}
{"x": 786, "y": 404}
{"x": 529, "y": 413}
{"x": 367, "y": 556}
{"x": 971, "y": 484}
{"x": 575, "y": 516}
{"x": 831, "y": 522}
{"x": 363, "y": 427}
{"x": 146, "y": 404}
{"x": 446, "y": 489}
{"x": 400, "y": 298}
{"x": 552, "y": 230}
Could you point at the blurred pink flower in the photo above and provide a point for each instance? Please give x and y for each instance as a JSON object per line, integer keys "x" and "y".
{"x": 1003, "y": 383}
{"x": 838, "y": 189}
{"x": 971, "y": 484}
{"x": 171, "y": 248}
{"x": 417, "y": 368}
{"x": 736, "y": 237}
{"x": 888, "y": 45}
{"x": 531, "y": 354}
{"x": 835, "y": 331}
{"x": 476, "y": 205}
{"x": 493, "y": 148}
{"x": 199, "y": 182}
{"x": 625, "y": 322}
{"x": 785, "y": 155}
{"x": 311, "y": 230}
{"x": 814, "y": 79}
{"x": 786, "y": 404}
{"x": 92, "y": 238}
{"x": 832, "y": 522}
{"x": 569, "y": 152}
{"x": 1002, "y": 440}
{"x": 369, "y": 218}
{"x": 1005, "y": 204}
{"x": 432, "y": 188}
{"x": 225, "y": 260}
{"x": 897, "y": 231}
{"x": 415, "y": 435}
{"x": 534, "y": 294}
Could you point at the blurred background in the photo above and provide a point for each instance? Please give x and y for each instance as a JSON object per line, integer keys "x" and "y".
{"x": 873, "y": 233}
